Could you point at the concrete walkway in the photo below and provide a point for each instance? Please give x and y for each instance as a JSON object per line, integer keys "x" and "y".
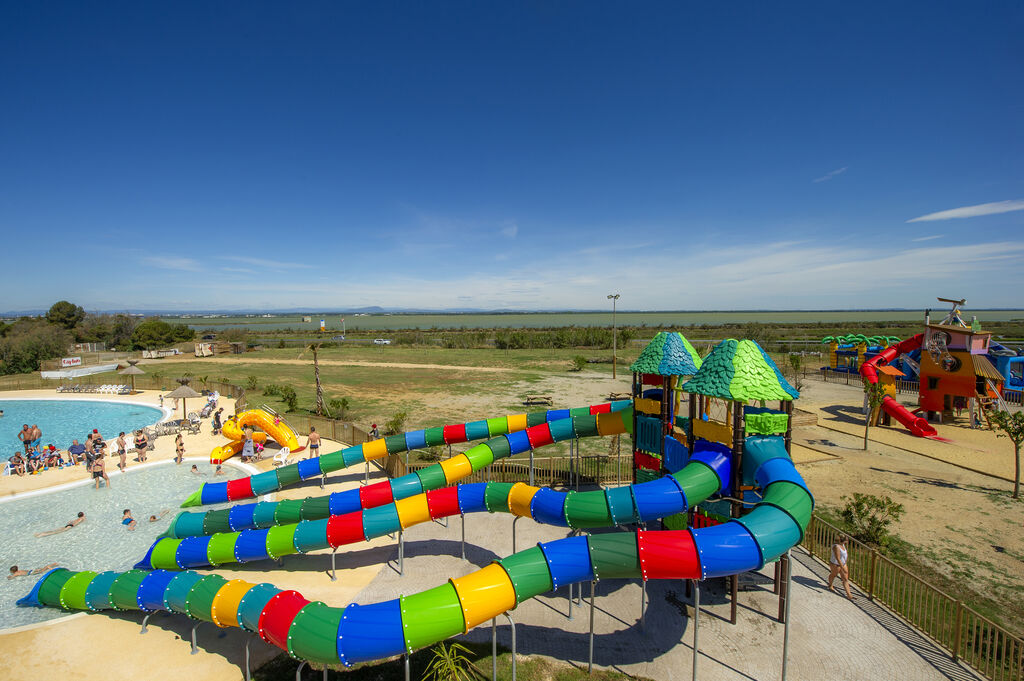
{"x": 830, "y": 637}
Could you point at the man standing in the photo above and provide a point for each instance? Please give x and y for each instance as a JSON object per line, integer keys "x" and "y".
{"x": 25, "y": 435}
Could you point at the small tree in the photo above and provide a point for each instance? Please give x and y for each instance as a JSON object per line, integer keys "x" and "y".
{"x": 578, "y": 362}
{"x": 251, "y": 382}
{"x": 396, "y": 424}
{"x": 876, "y": 395}
{"x": 869, "y": 517}
{"x": 1011, "y": 426}
{"x": 338, "y": 407}
{"x": 290, "y": 398}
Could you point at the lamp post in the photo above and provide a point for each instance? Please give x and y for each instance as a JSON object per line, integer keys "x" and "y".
{"x": 614, "y": 297}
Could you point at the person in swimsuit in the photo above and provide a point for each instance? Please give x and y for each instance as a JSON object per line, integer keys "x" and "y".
{"x": 37, "y": 436}
{"x": 127, "y": 520}
{"x": 219, "y": 471}
{"x": 18, "y": 463}
{"x": 99, "y": 471}
{"x": 141, "y": 444}
{"x": 247, "y": 448}
{"x": 122, "y": 452}
{"x": 313, "y": 443}
{"x": 15, "y": 572}
{"x": 80, "y": 518}
{"x": 838, "y": 566}
{"x": 195, "y": 470}
{"x": 154, "y": 518}
{"x": 179, "y": 449}
{"x": 25, "y": 435}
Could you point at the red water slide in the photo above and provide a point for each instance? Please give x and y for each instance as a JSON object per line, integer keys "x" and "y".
{"x": 917, "y": 425}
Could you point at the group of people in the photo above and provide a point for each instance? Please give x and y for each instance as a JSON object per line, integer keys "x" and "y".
{"x": 92, "y": 454}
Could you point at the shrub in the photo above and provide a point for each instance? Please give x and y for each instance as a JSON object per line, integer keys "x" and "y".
{"x": 450, "y": 663}
{"x": 870, "y": 517}
{"x": 578, "y": 363}
{"x": 338, "y": 407}
{"x": 396, "y": 424}
{"x": 270, "y": 389}
{"x": 287, "y": 394}
{"x": 251, "y": 382}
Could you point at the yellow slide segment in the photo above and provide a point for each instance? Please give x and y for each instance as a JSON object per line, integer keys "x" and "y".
{"x": 271, "y": 426}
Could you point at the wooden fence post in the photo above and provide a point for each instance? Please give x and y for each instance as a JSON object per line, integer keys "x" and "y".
{"x": 874, "y": 572}
{"x": 957, "y": 633}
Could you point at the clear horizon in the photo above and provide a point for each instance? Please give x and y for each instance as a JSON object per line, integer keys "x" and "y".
{"x": 703, "y": 158}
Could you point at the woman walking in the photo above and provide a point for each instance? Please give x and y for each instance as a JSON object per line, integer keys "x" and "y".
{"x": 99, "y": 471}
{"x": 838, "y": 566}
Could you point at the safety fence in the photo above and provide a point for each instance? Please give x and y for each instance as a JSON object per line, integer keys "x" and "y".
{"x": 853, "y": 378}
{"x": 967, "y": 635}
{"x": 548, "y": 471}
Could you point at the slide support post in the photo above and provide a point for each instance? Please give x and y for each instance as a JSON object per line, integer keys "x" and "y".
{"x": 195, "y": 648}
{"x": 366, "y": 474}
{"x": 323, "y": 480}
{"x": 570, "y": 600}
{"x": 406, "y": 656}
{"x": 298, "y": 672}
{"x": 696, "y": 626}
{"x": 463, "y": 516}
{"x": 401, "y": 553}
{"x": 513, "y": 627}
{"x": 643, "y": 603}
{"x": 785, "y": 630}
{"x": 494, "y": 649}
{"x": 784, "y": 589}
{"x": 334, "y": 568}
{"x": 248, "y": 654}
{"x": 145, "y": 620}
{"x": 590, "y": 657}
{"x": 514, "y": 521}
{"x": 531, "y": 466}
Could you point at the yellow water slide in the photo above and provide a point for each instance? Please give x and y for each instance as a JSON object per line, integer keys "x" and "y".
{"x": 270, "y": 425}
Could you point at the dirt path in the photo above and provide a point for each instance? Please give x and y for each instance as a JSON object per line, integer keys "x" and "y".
{"x": 344, "y": 363}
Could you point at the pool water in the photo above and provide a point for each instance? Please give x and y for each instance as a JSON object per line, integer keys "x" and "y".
{"x": 99, "y": 543}
{"x": 64, "y": 420}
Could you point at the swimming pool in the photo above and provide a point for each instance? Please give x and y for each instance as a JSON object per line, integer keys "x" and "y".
{"x": 101, "y": 542}
{"x": 64, "y": 420}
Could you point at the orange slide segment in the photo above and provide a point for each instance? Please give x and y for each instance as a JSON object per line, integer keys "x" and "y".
{"x": 917, "y": 425}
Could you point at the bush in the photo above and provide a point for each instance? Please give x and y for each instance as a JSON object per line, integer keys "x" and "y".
{"x": 338, "y": 407}
{"x": 578, "y": 363}
{"x": 870, "y": 517}
{"x": 290, "y": 398}
{"x": 26, "y": 343}
{"x": 281, "y": 344}
{"x": 251, "y": 382}
{"x": 270, "y": 389}
{"x": 396, "y": 424}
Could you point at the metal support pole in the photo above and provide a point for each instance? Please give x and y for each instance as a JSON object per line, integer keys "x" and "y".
{"x": 513, "y": 627}
{"x": 334, "y": 569}
{"x": 696, "y": 626}
{"x": 366, "y": 475}
{"x": 590, "y": 657}
{"x": 406, "y": 668}
{"x": 514, "y": 521}
{"x": 325, "y": 674}
{"x": 401, "y": 553}
{"x": 195, "y": 648}
{"x": 643, "y": 603}
{"x": 298, "y": 672}
{"x": 785, "y": 630}
{"x": 144, "y": 621}
{"x": 531, "y": 466}
{"x": 323, "y": 479}
{"x": 494, "y": 649}
{"x": 570, "y": 600}
{"x": 248, "y": 671}
{"x": 463, "y": 516}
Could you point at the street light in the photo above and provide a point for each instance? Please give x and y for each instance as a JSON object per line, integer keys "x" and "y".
{"x": 614, "y": 297}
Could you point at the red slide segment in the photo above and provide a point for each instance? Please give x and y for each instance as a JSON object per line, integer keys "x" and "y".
{"x": 917, "y": 425}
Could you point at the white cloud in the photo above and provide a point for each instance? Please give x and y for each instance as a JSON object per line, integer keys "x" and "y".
{"x": 510, "y": 230}
{"x": 828, "y": 176}
{"x": 929, "y": 238}
{"x": 268, "y": 263}
{"x": 170, "y": 262}
{"x": 972, "y": 211}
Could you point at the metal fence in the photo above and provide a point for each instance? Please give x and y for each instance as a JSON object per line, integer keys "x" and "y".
{"x": 967, "y": 635}
{"x": 548, "y": 471}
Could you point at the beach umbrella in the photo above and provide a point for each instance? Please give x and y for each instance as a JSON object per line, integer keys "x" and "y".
{"x": 182, "y": 392}
{"x": 133, "y": 371}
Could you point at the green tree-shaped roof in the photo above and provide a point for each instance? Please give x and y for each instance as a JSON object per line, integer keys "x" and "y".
{"x": 668, "y": 354}
{"x": 742, "y": 371}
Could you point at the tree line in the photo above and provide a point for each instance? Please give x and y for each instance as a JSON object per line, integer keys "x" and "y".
{"x": 29, "y": 341}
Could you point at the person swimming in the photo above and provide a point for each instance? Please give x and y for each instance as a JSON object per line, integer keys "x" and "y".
{"x": 127, "y": 519}
{"x": 80, "y": 518}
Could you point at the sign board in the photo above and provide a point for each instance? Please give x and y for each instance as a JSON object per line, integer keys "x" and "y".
{"x": 322, "y": 325}
{"x": 66, "y": 362}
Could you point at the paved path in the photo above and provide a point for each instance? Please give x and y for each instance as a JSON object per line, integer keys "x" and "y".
{"x": 830, "y": 638}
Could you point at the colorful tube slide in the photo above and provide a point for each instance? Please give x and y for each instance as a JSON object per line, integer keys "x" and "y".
{"x": 269, "y": 424}
{"x": 273, "y": 480}
{"x": 323, "y": 634}
{"x": 266, "y": 514}
{"x": 917, "y": 425}
{"x": 706, "y": 473}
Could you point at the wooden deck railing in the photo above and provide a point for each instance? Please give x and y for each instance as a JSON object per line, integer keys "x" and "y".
{"x": 967, "y": 635}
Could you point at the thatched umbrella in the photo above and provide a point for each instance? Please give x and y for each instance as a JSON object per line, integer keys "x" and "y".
{"x": 133, "y": 371}
{"x": 182, "y": 392}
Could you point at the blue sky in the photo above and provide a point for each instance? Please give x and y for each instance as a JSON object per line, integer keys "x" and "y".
{"x": 527, "y": 155}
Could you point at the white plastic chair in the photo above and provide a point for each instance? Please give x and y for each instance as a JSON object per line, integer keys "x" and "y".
{"x": 281, "y": 458}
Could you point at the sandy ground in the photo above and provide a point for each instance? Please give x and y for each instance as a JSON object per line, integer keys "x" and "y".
{"x": 86, "y": 642}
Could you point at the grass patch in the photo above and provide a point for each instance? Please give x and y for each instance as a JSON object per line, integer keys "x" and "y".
{"x": 528, "y": 668}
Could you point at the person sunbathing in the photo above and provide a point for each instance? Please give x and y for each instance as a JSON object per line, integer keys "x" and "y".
{"x": 74, "y": 522}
